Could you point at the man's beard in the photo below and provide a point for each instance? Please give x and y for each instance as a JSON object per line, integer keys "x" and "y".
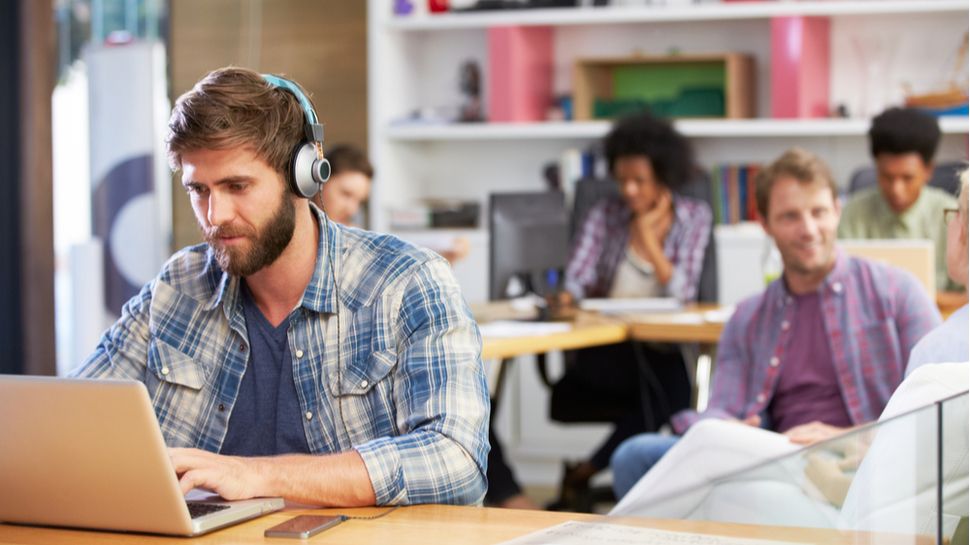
{"x": 265, "y": 246}
{"x": 828, "y": 256}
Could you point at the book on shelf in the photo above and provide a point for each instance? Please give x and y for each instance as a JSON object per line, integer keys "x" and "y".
{"x": 733, "y": 193}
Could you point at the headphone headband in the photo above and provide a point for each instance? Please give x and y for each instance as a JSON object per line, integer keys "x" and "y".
{"x": 309, "y": 170}
{"x": 313, "y": 128}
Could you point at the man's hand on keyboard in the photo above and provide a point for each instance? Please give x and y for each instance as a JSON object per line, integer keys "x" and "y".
{"x": 232, "y": 477}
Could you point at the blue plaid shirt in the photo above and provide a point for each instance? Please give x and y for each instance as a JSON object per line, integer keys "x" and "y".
{"x": 406, "y": 389}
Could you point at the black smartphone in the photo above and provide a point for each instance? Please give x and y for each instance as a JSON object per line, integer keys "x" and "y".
{"x": 304, "y": 526}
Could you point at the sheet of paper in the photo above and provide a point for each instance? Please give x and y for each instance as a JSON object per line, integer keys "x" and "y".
{"x": 687, "y": 318}
{"x": 511, "y": 328}
{"x": 719, "y": 316}
{"x": 584, "y": 533}
{"x": 642, "y": 304}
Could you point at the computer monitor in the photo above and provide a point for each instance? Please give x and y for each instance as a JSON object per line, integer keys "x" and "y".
{"x": 528, "y": 236}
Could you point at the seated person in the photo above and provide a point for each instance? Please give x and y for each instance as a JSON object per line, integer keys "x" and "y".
{"x": 823, "y": 347}
{"x": 949, "y": 341}
{"x": 689, "y": 483}
{"x": 880, "y": 478}
{"x": 289, "y": 355}
{"x": 648, "y": 242}
{"x": 351, "y": 176}
{"x": 903, "y": 144}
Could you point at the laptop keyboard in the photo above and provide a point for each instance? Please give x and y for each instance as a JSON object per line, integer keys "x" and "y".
{"x": 197, "y": 510}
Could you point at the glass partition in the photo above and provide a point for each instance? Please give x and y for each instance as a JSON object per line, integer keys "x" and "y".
{"x": 953, "y": 470}
{"x": 901, "y": 480}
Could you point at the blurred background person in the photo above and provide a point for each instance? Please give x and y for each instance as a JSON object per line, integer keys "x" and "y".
{"x": 903, "y": 142}
{"x": 948, "y": 342}
{"x": 351, "y": 176}
{"x": 648, "y": 241}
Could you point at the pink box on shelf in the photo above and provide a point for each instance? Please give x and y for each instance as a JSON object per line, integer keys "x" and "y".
{"x": 519, "y": 73}
{"x": 800, "y": 67}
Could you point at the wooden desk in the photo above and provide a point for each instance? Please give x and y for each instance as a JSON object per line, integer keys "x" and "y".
{"x": 588, "y": 329}
{"x": 948, "y": 302}
{"x": 686, "y": 326}
{"x": 430, "y": 524}
{"x": 593, "y": 329}
{"x": 689, "y": 326}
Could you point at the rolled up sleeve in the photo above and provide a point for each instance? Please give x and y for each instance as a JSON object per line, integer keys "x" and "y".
{"x": 443, "y": 400}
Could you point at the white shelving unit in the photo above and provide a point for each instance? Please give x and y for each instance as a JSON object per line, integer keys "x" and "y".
{"x": 567, "y": 130}
{"x": 657, "y": 14}
{"x": 413, "y": 61}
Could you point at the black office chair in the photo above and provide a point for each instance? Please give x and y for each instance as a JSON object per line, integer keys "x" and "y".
{"x": 946, "y": 176}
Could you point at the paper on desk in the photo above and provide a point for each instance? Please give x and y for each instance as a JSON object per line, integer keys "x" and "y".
{"x": 583, "y": 533}
{"x": 511, "y": 328}
{"x": 628, "y": 305}
{"x": 686, "y": 318}
{"x": 719, "y": 316}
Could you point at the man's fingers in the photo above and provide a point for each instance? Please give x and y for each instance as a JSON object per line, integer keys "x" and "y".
{"x": 195, "y": 478}
{"x": 187, "y": 459}
{"x": 800, "y": 435}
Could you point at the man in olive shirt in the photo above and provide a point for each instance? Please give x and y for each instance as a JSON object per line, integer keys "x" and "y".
{"x": 903, "y": 143}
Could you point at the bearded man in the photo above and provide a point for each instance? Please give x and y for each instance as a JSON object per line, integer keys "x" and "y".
{"x": 289, "y": 355}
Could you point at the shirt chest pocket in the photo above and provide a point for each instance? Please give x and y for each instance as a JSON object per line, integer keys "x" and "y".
{"x": 175, "y": 384}
{"x": 168, "y": 365}
{"x": 368, "y": 354}
{"x": 364, "y": 372}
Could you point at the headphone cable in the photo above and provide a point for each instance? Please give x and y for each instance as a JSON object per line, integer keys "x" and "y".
{"x": 336, "y": 293}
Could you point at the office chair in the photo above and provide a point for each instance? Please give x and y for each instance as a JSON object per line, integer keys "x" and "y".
{"x": 946, "y": 176}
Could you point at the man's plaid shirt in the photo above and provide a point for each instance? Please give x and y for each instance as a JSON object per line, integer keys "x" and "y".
{"x": 411, "y": 386}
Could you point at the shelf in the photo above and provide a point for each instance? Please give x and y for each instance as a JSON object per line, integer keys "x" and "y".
{"x": 700, "y": 12}
{"x": 751, "y": 128}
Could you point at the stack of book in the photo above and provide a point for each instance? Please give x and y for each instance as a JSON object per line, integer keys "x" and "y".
{"x": 732, "y": 193}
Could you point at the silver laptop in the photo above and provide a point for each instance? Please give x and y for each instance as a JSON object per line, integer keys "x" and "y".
{"x": 89, "y": 453}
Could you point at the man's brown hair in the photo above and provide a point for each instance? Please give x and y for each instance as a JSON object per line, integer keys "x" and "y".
{"x": 805, "y": 167}
{"x": 235, "y": 107}
{"x": 348, "y": 158}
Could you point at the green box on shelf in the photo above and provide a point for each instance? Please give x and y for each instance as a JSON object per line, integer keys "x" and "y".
{"x": 710, "y": 86}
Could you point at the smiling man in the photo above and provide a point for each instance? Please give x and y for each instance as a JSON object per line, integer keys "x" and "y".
{"x": 823, "y": 347}
{"x": 289, "y": 355}
{"x": 903, "y": 143}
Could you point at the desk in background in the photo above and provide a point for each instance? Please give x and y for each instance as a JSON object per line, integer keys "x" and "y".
{"x": 692, "y": 324}
{"x": 586, "y": 330}
{"x": 700, "y": 324}
{"x": 424, "y": 524}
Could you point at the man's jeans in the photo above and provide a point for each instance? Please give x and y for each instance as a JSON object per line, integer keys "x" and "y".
{"x": 634, "y": 458}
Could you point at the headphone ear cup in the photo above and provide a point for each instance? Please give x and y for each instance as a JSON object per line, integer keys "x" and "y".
{"x": 302, "y": 180}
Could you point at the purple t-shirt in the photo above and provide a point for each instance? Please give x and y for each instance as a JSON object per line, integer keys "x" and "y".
{"x": 808, "y": 388}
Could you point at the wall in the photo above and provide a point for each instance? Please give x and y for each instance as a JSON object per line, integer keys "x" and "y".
{"x": 319, "y": 43}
